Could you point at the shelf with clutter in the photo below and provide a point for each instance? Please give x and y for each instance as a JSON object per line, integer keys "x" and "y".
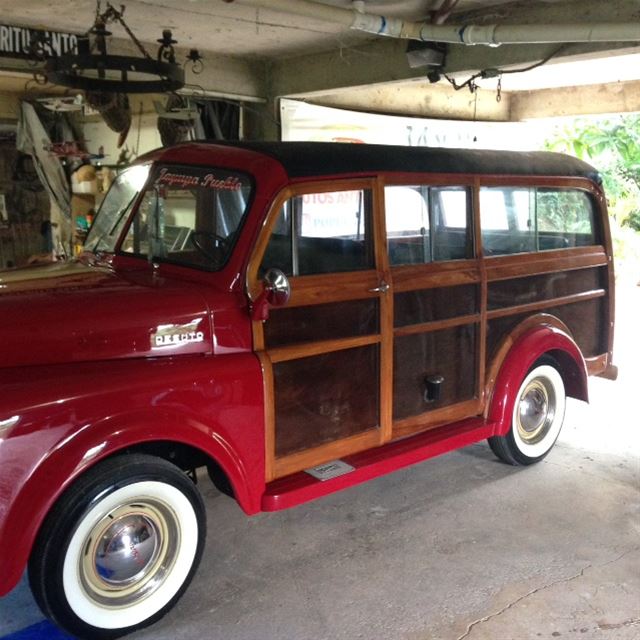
{"x": 89, "y": 184}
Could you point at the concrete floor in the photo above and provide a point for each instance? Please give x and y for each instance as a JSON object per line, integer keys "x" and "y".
{"x": 459, "y": 547}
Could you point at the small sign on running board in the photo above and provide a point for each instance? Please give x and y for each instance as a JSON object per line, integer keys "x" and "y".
{"x": 330, "y": 470}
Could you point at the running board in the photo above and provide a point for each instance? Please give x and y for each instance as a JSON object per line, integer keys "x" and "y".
{"x": 301, "y": 487}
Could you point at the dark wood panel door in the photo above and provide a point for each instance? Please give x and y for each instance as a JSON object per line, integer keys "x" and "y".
{"x": 325, "y": 352}
{"x": 437, "y": 305}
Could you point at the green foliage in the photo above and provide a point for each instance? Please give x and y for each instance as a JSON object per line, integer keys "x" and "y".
{"x": 632, "y": 220}
{"x": 613, "y": 146}
{"x": 564, "y": 211}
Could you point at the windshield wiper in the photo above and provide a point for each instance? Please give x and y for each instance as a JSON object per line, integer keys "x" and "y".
{"x": 109, "y": 233}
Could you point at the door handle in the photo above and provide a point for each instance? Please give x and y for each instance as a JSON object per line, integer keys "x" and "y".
{"x": 382, "y": 288}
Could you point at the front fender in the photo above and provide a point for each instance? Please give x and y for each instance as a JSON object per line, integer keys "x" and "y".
{"x": 214, "y": 404}
{"x": 528, "y": 348}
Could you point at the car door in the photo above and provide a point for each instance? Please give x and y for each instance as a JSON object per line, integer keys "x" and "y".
{"x": 326, "y": 353}
{"x": 438, "y": 328}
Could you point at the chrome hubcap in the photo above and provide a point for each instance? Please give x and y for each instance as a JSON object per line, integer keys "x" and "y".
{"x": 129, "y": 553}
{"x": 536, "y": 410}
{"x": 126, "y": 549}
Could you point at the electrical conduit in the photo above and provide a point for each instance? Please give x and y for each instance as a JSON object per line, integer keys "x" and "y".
{"x": 492, "y": 35}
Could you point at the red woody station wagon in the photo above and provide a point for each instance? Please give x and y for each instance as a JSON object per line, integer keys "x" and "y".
{"x": 297, "y": 318}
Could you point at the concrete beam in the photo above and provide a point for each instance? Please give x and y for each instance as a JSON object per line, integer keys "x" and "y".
{"x": 420, "y": 99}
{"x": 381, "y": 61}
{"x": 384, "y": 60}
{"x": 622, "y": 97}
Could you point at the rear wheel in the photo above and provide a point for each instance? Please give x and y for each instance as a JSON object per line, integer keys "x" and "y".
{"x": 119, "y": 548}
{"x": 537, "y": 418}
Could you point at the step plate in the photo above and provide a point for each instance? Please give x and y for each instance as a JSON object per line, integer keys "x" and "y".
{"x": 330, "y": 470}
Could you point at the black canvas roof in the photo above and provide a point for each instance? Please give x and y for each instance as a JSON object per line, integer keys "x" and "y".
{"x": 306, "y": 159}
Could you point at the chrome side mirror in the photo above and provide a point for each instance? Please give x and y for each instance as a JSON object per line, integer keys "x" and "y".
{"x": 277, "y": 287}
{"x": 275, "y": 293}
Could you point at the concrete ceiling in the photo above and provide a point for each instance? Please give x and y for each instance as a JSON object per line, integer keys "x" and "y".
{"x": 228, "y": 28}
{"x": 261, "y": 54}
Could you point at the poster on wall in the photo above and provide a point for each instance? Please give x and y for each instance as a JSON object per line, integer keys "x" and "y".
{"x": 304, "y": 121}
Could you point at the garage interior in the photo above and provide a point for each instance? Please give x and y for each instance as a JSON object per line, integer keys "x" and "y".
{"x": 458, "y": 547}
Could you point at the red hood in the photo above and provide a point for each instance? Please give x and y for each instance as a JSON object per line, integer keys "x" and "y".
{"x": 71, "y": 312}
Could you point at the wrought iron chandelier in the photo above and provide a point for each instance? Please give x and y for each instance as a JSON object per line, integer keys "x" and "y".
{"x": 92, "y": 68}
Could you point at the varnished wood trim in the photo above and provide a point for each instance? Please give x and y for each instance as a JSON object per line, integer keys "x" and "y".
{"x": 427, "y": 180}
{"x": 257, "y": 329}
{"x": 611, "y": 284}
{"x": 538, "y": 320}
{"x": 435, "y": 274}
{"x": 333, "y": 287}
{"x": 269, "y": 416}
{"x": 331, "y": 451}
{"x": 386, "y": 314}
{"x": 436, "y": 325}
{"x": 545, "y": 304}
{"x": 597, "y": 364}
{"x": 482, "y": 337}
{"x": 436, "y": 418}
{"x": 564, "y": 182}
{"x": 519, "y": 265}
{"x": 283, "y": 354}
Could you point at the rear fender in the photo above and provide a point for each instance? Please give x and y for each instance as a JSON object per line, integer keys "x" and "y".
{"x": 526, "y": 350}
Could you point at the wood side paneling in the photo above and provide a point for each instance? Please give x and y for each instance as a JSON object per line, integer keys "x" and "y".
{"x": 330, "y": 451}
{"x": 309, "y": 349}
{"x": 558, "y": 284}
{"x": 427, "y": 305}
{"x": 450, "y": 353}
{"x": 585, "y": 321}
{"x": 436, "y": 418}
{"x": 317, "y": 401}
{"x": 434, "y": 275}
{"x": 347, "y": 319}
{"x": 515, "y": 266}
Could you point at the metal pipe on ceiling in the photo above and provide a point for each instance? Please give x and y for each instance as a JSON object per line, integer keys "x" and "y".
{"x": 492, "y": 35}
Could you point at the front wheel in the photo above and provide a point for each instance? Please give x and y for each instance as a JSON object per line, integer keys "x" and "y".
{"x": 119, "y": 548}
{"x": 538, "y": 414}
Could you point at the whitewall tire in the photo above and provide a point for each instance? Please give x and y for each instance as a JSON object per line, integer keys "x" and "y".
{"x": 119, "y": 548}
{"x": 537, "y": 417}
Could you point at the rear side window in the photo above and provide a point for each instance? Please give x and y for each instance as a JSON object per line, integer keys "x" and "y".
{"x": 327, "y": 232}
{"x": 426, "y": 224}
{"x": 565, "y": 216}
{"x": 523, "y": 219}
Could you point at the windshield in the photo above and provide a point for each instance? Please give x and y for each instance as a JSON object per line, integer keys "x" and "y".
{"x": 189, "y": 216}
{"x": 115, "y": 208}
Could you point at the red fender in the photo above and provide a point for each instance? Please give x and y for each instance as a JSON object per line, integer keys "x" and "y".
{"x": 528, "y": 348}
{"x": 87, "y": 447}
{"x": 213, "y": 404}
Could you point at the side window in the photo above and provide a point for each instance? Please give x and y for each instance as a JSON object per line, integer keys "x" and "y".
{"x": 507, "y": 217}
{"x": 452, "y": 239}
{"x": 565, "y": 218}
{"x": 516, "y": 220}
{"x": 325, "y": 232}
{"x": 408, "y": 233}
{"x": 426, "y": 224}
